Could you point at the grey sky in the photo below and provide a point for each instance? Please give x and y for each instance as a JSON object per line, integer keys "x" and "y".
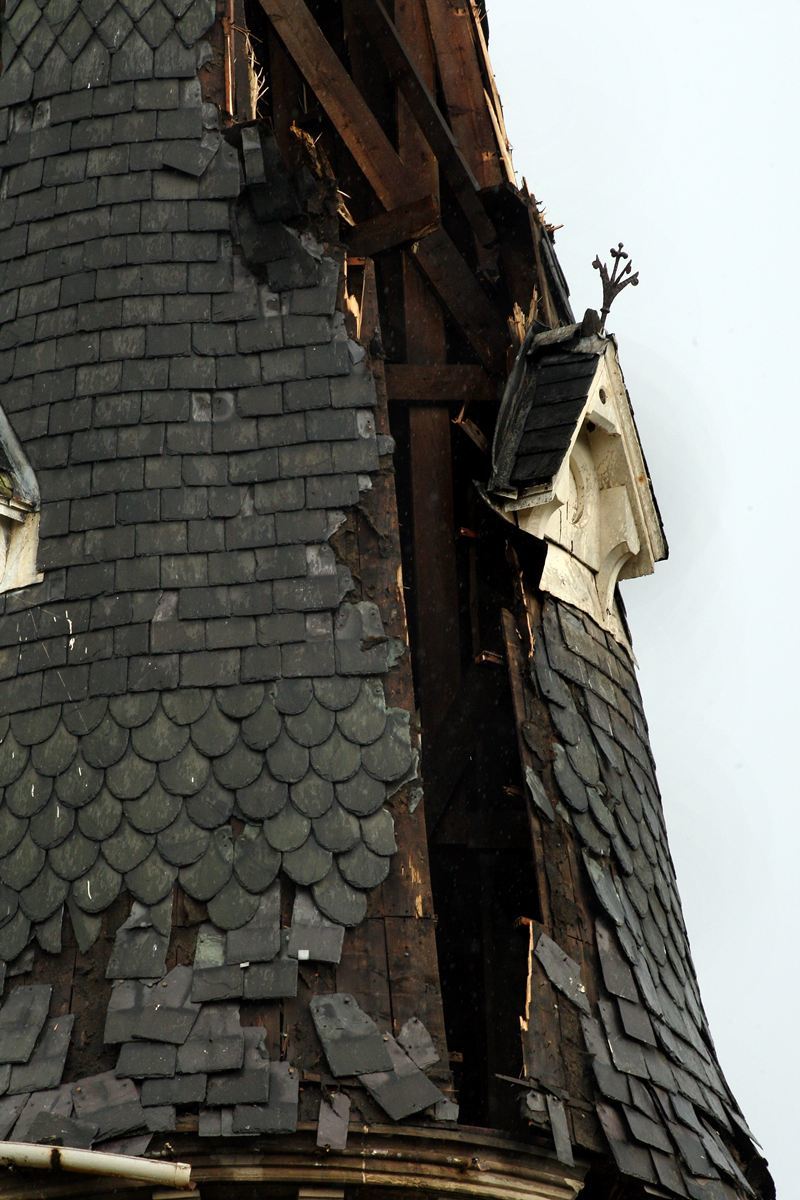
{"x": 673, "y": 128}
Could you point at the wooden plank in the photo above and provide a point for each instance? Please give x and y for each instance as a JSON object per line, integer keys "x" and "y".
{"x": 342, "y": 101}
{"x": 407, "y": 891}
{"x": 417, "y": 88}
{"x": 516, "y": 675}
{"x": 394, "y": 228}
{"x": 493, "y": 95}
{"x": 436, "y": 633}
{"x": 463, "y": 88}
{"x": 414, "y": 967}
{"x": 440, "y": 383}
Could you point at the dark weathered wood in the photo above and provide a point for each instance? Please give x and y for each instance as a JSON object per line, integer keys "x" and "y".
{"x": 463, "y": 297}
{"x": 394, "y": 228}
{"x": 337, "y": 93}
{"x": 411, "y": 950}
{"x": 416, "y": 85}
{"x": 516, "y": 667}
{"x": 364, "y": 971}
{"x": 451, "y": 26}
{"x": 492, "y": 95}
{"x": 440, "y": 383}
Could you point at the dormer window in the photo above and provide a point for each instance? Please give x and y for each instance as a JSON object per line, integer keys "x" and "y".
{"x": 568, "y": 468}
{"x": 19, "y": 513}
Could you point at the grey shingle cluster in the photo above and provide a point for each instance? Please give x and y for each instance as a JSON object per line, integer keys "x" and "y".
{"x": 137, "y": 793}
{"x": 666, "y": 1110}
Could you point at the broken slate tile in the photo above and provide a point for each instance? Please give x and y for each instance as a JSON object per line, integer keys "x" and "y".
{"x": 57, "y": 1100}
{"x": 352, "y": 1042}
{"x": 110, "y": 1102}
{"x": 45, "y": 1067}
{"x": 560, "y": 1130}
{"x": 562, "y": 971}
{"x": 251, "y": 1083}
{"x": 334, "y": 1119}
{"x": 140, "y": 950}
{"x": 216, "y": 1043}
{"x": 54, "y": 1129}
{"x": 404, "y": 1089}
{"x": 160, "y": 1012}
{"x": 22, "y": 1019}
{"x": 418, "y": 1043}
{"x": 312, "y": 937}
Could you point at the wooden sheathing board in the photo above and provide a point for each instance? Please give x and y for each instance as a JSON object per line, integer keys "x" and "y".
{"x": 553, "y": 1043}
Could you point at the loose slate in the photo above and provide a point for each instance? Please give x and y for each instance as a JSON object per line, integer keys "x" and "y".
{"x": 334, "y": 1120}
{"x": 352, "y": 1042}
{"x": 140, "y": 950}
{"x": 418, "y": 1043}
{"x": 45, "y": 1067}
{"x": 562, "y": 971}
{"x": 22, "y": 1019}
{"x": 404, "y": 1089}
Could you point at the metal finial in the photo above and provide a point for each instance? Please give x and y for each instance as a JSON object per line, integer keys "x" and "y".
{"x": 620, "y": 278}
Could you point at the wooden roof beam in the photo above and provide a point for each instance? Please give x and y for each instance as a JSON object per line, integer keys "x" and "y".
{"x": 408, "y": 223}
{"x": 446, "y": 383}
{"x": 465, "y": 96}
{"x": 429, "y": 117}
{"x": 394, "y": 184}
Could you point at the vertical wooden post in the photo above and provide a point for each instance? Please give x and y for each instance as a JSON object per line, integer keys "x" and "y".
{"x": 436, "y": 633}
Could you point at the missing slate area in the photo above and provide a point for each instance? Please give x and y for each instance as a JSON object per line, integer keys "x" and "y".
{"x": 185, "y": 1042}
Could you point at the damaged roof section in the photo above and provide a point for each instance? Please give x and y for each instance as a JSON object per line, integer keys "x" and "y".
{"x": 667, "y": 1113}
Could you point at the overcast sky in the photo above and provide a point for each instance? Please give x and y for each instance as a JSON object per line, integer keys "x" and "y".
{"x": 674, "y": 129}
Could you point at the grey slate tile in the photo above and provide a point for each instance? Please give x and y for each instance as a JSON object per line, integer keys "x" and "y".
{"x": 139, "y": 950}
{"x": 333, "y": 1122}
{"x": 271, "y": 980}
{"x": 216, "y": 1042}
{"x": 259, "y": 940}
{"x": 338, "y": 900}
{"x": 279, "y": 1114}
{"x": 562, "y": 971}
{"x": 402, "y": 1090}
{"x": 251, "y": 1083}
{"x": 312, "y": 937}
{"x": 352, "y": 1042}
{"x": 58, "y": 1130}
{"x": 417, "y": 1043}
{"x": 146, "y": 1060}
{"x": 45, "y": 1067}
{"x": 22, "y": 1018}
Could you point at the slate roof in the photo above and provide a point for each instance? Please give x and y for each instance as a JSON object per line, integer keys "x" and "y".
{"x": 544, "y": 398}
{"x": 662, "y": 1101}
